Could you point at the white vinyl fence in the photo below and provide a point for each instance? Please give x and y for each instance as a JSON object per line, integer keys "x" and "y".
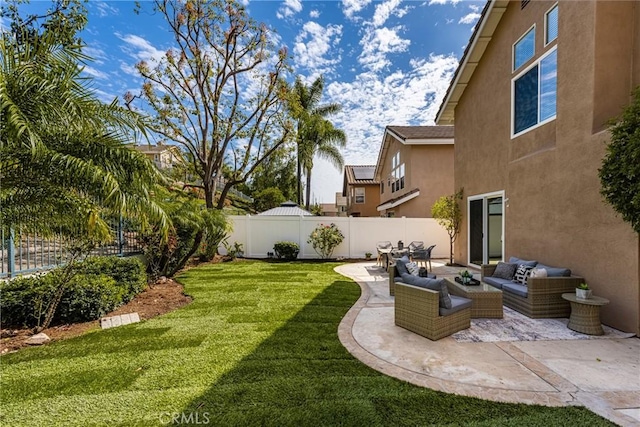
{"x": 258, "y": 234}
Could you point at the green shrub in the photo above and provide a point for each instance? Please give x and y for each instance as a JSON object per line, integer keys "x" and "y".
{"x": 286, "y": 250}
{"x": 325, "y": 238}
{"x": 128, "y": 273}
{"x": 89, "y": 297}
{"x": 25, "y": 300}
{"x": 99, "y": 285}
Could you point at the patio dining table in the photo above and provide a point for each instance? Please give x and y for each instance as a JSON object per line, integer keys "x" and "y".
{"x": 396, "y": 253}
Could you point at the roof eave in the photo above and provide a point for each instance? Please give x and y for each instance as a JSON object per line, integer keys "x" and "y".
{"x": 491, "y": 16}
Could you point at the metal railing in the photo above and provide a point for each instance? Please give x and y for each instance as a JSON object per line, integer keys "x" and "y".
{"x": 23, "y": 253}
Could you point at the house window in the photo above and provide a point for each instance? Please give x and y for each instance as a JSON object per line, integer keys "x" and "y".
{"x": 551, "y": 25}
{"x": 359, "y": 194}
{"x": 382, "y": 187}
{"x": 397, "y": 173}
{"x": 534, "y": 94}
{"x": 524, "y": 49}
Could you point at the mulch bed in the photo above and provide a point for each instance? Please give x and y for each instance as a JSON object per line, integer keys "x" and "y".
{"x": 162, "y": 297}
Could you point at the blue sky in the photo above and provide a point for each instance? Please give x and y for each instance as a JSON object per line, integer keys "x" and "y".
{"x": 386, "y": 62}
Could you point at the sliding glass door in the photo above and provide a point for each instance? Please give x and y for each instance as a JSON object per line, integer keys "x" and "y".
{"x": 486, "y": 228}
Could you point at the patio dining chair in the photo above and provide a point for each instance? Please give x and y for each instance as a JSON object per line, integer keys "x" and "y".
{"x": 423, "y": 256}
{"x": 383, "y": 248}
{"x": 416, "y": 245}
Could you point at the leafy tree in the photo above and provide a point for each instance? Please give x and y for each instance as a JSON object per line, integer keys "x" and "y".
{"x": 64, "y": 165}
{"x": 446, "y": 211}
{"x": 268, "y": 198}
{"x": 620, "y": 171}
{"x": 220, "y": 92}
{"x": 277, "y": 171}
{"x": 315, "y": 134}
{"x": 63, "y": 159}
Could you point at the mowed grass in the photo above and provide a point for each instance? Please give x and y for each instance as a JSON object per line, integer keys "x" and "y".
{"x": 258, "y": 346}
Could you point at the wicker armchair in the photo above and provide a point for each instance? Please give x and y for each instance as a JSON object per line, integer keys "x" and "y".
{"x": 417, "y": 310}
{"x": 544, "y": 295}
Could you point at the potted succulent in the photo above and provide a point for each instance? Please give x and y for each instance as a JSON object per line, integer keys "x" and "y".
{"x": 465, "y": 277}
{"x": 367, "y": 255}
{"x": 583, "y": 291}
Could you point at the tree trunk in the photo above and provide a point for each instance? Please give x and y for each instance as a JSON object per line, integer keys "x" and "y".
{"x": 451, "y": 251}
{"x": 308, "y": 190}
{"x": 209, "y": 193}
{"x": 299, "y": 178}
{"x": 180, "y": 265}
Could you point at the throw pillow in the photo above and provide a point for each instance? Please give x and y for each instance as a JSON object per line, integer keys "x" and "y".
{"x": 522, "y": 274}
{"x": 538, "y": 272}
{"x": 401, "y": 265}
{"x": 505, "y": 270}
{"x": 439, "y": 285}
{"x": 413, "y": 268}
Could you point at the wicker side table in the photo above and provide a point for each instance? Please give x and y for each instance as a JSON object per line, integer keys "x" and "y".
{"x": 585, "y": 314}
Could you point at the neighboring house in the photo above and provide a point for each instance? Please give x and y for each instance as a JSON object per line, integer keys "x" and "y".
{"x": 341, "y": 204}
{"x": 164, "y": 156}
{"x": 287, "y": 208}
{"x": 328, "y": 209}
{"x": 415, "y": 168}
{"x": 361, "y": 189}
{"x": 530, "y": 101}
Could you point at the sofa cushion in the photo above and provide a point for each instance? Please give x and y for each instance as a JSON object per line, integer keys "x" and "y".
{"x": 401, "y": 265}
{"x": 439, "y": 285}
{"x": 496, "y": 282}
{"x": 457, "y": 304}
{"x": 555, "y": 271}
{"x": 518, "y": 261}
{"x": 515, "y": 288}
{"x": 504, "y": 270}
{"x": 522, "y": 274}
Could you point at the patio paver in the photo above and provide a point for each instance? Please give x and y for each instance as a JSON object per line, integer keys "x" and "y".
{"x": 603, "y": 375}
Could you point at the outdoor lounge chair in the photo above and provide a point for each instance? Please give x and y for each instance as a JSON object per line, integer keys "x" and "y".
{"x": 416, "y": 245}
{"x": 418, "y": 310}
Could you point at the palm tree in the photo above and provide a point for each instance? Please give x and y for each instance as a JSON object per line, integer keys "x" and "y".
{"x": 64, "y": 162}
{"x": 315, "y": 134}
{"x": 324, "y": 140}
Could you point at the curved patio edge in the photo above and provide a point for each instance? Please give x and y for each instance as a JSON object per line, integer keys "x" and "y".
{"x": 565, "y": 393}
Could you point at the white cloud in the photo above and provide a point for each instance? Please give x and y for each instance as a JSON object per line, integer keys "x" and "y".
{"x": 289, "y": 8}
{"x": 384, "y": 11}
{"x": 377, "y": 44}
{"x": 470, "y": 18}
{"x": 315, "y": 48}
{"x": 141, "y": 49}
{"x": 371, "y": 102}
{"x": 95, "y": 73}
{"x": 314, "y": 13}
{"x": 105, "y": 9}
{"x": 444, "y": 2}
{"x": 351, "y": 7}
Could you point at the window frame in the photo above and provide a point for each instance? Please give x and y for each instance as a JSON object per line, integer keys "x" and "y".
{"x": 363, "y": 195}
{"x": 539, "y": 123}
{"x": 513, "y": 48}
{"x": 546, "y": 25}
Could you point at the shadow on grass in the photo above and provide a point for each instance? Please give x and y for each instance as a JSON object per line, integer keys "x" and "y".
{"x": 301, "y": 375}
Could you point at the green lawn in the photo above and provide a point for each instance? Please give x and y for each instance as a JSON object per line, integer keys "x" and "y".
{"x": 258, "y": 346}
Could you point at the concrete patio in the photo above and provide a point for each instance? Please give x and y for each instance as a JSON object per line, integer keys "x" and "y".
{"x": 600, "y": 374}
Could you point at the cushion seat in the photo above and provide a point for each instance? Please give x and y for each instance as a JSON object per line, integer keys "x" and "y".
{"x": 457, "y": 304}
{"x": 515, "y": 288}
{"x": 496, "y": 282}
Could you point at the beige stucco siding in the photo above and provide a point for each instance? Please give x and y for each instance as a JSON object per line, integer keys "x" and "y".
{"x": 555, "y": 212}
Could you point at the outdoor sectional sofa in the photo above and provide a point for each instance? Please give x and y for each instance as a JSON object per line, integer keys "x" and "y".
{"x": 542, "y": 296}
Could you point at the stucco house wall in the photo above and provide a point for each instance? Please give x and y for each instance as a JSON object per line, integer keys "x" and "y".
{"x": 428, "y": 171}
{"x": 554, "y": 212}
